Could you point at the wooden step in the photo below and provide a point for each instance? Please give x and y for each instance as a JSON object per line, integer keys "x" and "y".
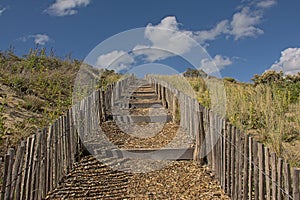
{"x": 148, "y": 154}
{"x": 140, "y": 118}
{"x": 152, "y": 104}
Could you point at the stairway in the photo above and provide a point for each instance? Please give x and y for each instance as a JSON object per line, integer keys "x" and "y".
{"x": 142, "y": 129}
{"x": 139, "y": 154}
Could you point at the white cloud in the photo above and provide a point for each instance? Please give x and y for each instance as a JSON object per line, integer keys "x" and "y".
{"x": 2, "y": 10}
{"x": 40, "y": 39}
{"x": 66, "y": 7}
{"x": 266, "y": 3}
{"x": 289, "y": 62}
{"x": 152, "y": 54}
{"x": 244, "y": 23}
{"x": 215, "y": 64}
{"x": 116, "y": 60}
{"x": 206, "y": 35}
{"x": 166, "y": 39}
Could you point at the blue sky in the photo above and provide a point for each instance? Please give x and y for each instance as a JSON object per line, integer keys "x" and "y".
{"x": 242, "y": 38}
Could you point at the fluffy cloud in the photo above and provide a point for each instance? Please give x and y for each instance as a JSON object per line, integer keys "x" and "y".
{"x": 215, "y": 64}
{"x": 206, "y": 35}
{"x": 289, "y": 62}
{"x": 166, "y": 39}
{"x": 116, "y": 60}
{"x": 66, "y": 7}
{"x": 244, "y": 23}
{"x": 40, "y": 39}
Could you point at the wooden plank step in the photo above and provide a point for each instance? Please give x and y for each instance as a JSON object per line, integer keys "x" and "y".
{"x": 144, "y": 92}
{"x": 152, "y": 104}
{"x": 138, "y": 96}
{"x": 141, "y": 118}
{"x": 145, "y": 104}
{"x": 149, "y": 154}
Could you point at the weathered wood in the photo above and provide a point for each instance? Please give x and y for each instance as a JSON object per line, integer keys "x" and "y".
{"x": 268, "y": 174}
{"x": 43, "y": 165}
{"x": 255, "y": 170}
{"x": 261, "y": 166}
{"x": 30, "y": 179}
{"x": 241, "y": 164}
{"x": 274, "y": 175}
{"x": 5, "y": 180}
{"x": 250, "y": 182}
{"x": 16, "y": 168}
{"x": 11, "y": 153}
{"x": 224, "y": 160}
{"x": 237, "y": 161}
{"x": 232, "y": 158}
{"x": 55, "y": 154}
{"x": 296, "y": 184}
{"x": 279, "y": 178}
{"x": 36, "y": 167}
{"x": 153, "y": 154}
{"x": 247, "y": 165}
{"x": 287, "y": 180}
{"x": 228, "y": 161}
{"x": 19, "y": 173}
{"x": 196, "y": 156}
{"x": 25, "y": 172}
{"x": 49, "y": 160}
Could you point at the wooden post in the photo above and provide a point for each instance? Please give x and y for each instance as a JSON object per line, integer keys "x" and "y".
{"x": 196, "y": 155}
{"x": 29, "y": 180}
{"x": 35, "y": 167}
{"x": 43, "y": 164}
{"x": 233, "y": 143}
{"x": 274, "y": 176}
{"x": 49, "y": 160}
{"x": 19, "y": 172}
{"x": 255, "y": 171}
{"x": 241, "y": 164}
{"x": 228, "y": 161}
{"x": 250, "y": 182}
{"x": 5, "y": 178}
{"x": 237, "y": 161}
{"x": 279, "y": 178}
{"x": 287, "y": 180}
{"x": 11, "y": 153}
{"x": 247, "y": 165}
{"x": 296, "y": 183}
{"x": 25, "y": 172}
{"x": 261, "y": 160}
{"x": 224, "y": 167}
{"x": 16, "y": 168}
{"x": 268, "y": 174}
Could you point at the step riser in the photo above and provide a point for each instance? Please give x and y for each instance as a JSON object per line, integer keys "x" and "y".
{"x": 146, "y": 119}
{"x": 139, "y": 105}
{"x": 148, "y": 154}
{"x": 135, "y": 96}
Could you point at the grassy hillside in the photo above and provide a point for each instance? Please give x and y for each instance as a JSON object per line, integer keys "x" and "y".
{"x": 34, "y": 90}
{"x": 268, "y": 109}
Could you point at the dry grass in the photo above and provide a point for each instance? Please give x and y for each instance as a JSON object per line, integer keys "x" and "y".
{"x": 268, "y": 112}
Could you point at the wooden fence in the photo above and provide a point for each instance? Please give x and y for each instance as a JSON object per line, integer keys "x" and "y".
{"x": 245, "y": 168}
{"x": 39, "y": 163}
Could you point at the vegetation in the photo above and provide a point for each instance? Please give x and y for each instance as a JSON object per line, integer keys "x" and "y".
{"x": 268, "y": 109}
{"x": 36, "y": 89}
